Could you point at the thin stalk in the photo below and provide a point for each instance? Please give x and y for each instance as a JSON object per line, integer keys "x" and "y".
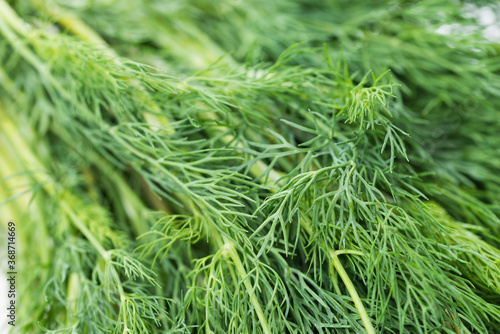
{"x": 11, "y": 17}
{"x": 230, "y": 247}
{"x": 73, "y": 293}
{"x": 351, "y": 289}
{"x": 84, "y": 230}
{"x": 29, "y": 159}
{"x": 74, "y": 25}
{"x": 9, "y": 208}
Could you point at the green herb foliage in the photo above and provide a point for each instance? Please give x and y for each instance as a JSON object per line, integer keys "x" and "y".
{"x": 251, "y": 167}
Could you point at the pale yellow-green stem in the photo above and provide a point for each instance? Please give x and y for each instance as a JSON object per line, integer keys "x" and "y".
{"x": 73, "y": 294}
{"x": 11, "y": 18}
{"x": 9, "y": 211}
{"x": 37, "y": 174}
{"x": 351, "y": 289}
{"x": 333, "y": 256}
{"x": 230, "y": 247}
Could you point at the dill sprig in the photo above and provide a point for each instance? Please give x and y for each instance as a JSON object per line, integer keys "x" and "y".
{"x": 253, "y": 184}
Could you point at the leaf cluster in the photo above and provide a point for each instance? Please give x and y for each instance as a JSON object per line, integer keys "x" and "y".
{"x": 190, "y": 171}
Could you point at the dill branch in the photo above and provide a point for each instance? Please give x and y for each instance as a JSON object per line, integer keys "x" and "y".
{"x": 191, "y": 171}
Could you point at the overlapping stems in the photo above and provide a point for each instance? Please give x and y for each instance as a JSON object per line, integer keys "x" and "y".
{"x": 96, "y": 265}
{"x": 338, "y": 193}
{"x": 370, "y": 36}
{"x": 213, "y": 206}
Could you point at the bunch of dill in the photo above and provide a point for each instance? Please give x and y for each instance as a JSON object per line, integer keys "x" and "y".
{"x": 251, "y": 167}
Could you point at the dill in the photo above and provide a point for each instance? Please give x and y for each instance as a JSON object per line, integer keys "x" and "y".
{"x": 274, "y": 167}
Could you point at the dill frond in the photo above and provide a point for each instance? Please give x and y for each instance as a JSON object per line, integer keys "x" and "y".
{"x": 189, "y": 171}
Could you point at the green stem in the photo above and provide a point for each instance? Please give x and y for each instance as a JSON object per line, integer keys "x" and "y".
{"x": 11, "y": 17}
{"x": 229, "y": 246}
{"x": 80, "y": 225}
{"x": 73, "y": 294}
{"x": 351, "y": 289}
